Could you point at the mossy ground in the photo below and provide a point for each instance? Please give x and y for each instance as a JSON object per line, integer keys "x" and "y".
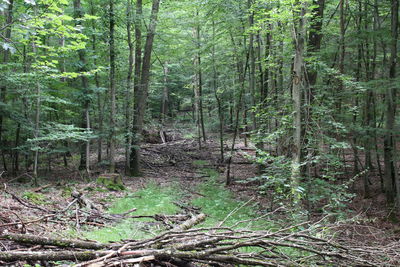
{"x": 217, "y": 203}
{"x": 149, "y": 201}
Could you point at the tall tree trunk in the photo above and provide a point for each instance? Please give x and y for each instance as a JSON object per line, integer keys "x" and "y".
{"x": 36, "y": 132}
{"x": 141, "y": 90}
{"x": 197, "y": 86}
{"x": 197, "y": 104}
{"x": 200, "y": 80}
{"x": 85, "y": 147}
{"x": 134, "y": 165}
{"x": 391, "y": 181}
{"x": 252, "y": 72}
{"x": 165, "y": 95}
{"x": 100, "y": 107}
{"x": 3, "y": 89}
{"x": 298, "y": 85}
{"x": 112, "y": 138}
{"x": 241, "y": 74}
{"x": 342, "y": 48}
{"x": 129, "y": 85}
{"x": 217, "y": 96}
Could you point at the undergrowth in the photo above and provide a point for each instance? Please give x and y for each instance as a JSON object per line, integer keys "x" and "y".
{"x": 149, "y": 201}
{"x": 218, "y": 204}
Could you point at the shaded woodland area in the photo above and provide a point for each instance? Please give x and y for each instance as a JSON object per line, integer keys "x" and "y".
{"x": 293, "y": 102}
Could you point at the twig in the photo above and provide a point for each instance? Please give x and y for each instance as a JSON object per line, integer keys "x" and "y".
{"x": 234, "y": 211}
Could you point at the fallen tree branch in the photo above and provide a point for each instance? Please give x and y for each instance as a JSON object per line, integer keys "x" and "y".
{"x": 49, "y": 255}
{"x": 288, "y": 246}
{"x": 58, "y": 242}
{"x": 191, "y": 222}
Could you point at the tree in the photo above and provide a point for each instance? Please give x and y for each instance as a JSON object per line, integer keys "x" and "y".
{"x": 112, "y": 86}
{"x": 392, "y": 183}
{"x": 142, "y": 79}
{"x": 85, "y": 148}
{"x": 299, "y": 84}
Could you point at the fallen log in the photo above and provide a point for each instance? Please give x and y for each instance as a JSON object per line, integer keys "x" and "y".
{"x": 191, "y": 222}
{"x": 216, "y": 246}
{"x": 49, "y": 241}
{"x": 50, "y": 255}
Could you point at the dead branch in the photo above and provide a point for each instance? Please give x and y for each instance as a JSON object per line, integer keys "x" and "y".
{"x": 191, "y": 222}
{"x": 51, "y": 255}
{"x": 220, "y": 245}
{"x": 58, "y": 242}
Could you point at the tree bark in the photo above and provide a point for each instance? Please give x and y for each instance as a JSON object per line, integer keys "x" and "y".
{"x": 298, "y": 85}
{"x": 85, "y": 147}
{"x": 129, "y": 85}
{"x": 392, "y": 187}
{"x": 141, "y": 88}
{"x": 49, "y": 241}
{"x": 112, "y": 137}
{"x": 217, "y": 96}
{"x": 342, "y": 48}
{"x": 165, "y": 95}
{"x": 3, "y": 88}
{"x": 199, "y": 79}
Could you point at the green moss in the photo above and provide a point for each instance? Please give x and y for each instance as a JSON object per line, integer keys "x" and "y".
{"x": 111, "y": 182}
{"x": 219, "y": 202}
{"x": 149, "y": 201}
{"x": 36, "y": 198}
{"x": 66, "y": 191}
{"x": 200, "y": 162}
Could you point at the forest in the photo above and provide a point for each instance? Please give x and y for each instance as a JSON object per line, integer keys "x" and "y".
{"x": 199, "y": 133}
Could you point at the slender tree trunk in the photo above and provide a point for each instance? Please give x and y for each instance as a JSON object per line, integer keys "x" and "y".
{"x": 298, "y": 85}
{"x": 100, "y": 107}
{"x": 342, "y": 48}
{"x": 141, "y": 88}
{"x": 218, "y": 96}
{"x": 3, "y": 88}
{"x": 16, "y": 153}
{"x": 36, "y": 132}
{"x": 134, "y": 168}
{"x": 129, "y": 85}
{"x": 85, "y": 148}
{"x": 392, "y": 187}
{"x": 112, "y": 51}
{"x": 241, "y": 73}
{"x": 197, "y": 104}
{"x": 200, "y": 80}
{"x": 252, "y": 72}
{"x": 165, "y": 95}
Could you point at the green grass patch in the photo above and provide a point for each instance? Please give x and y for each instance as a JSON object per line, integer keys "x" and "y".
{"x": 36, "y": 198}
{"x": 219, "y": 202}
{"x": 200, "y": 163}
{"x": 149, "y": 201}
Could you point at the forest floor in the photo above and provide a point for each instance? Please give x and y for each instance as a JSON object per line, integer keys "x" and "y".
{"x": 174, "y": 182}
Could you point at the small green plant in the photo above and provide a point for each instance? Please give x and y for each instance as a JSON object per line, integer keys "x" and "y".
{"x": 113, "y": 183}
{"x": 200, "y": 162}
{"x": 36, "y": 198}
{"x": 220, "y": 205}
{"x": 149, "y": 201}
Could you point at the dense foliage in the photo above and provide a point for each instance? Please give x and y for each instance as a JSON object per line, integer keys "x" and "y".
{"x": 312, "y": 84}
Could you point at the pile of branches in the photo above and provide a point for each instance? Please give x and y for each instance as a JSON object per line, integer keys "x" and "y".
{"x": 79, "y": 211}
{"x": 182, "y": 245}
{"x": 219, "y": 246}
